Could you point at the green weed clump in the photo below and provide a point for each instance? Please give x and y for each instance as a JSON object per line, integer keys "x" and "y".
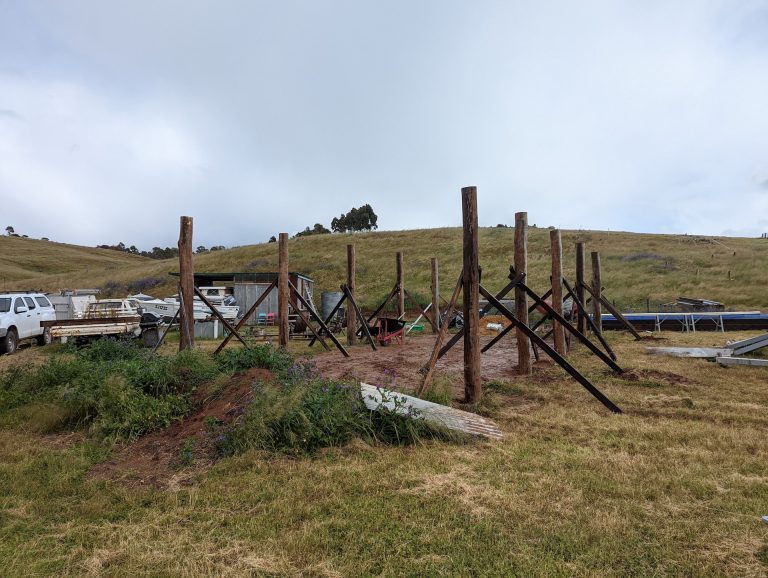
{"x": 305, "y": 412}
{"x": 114, "y": 388}
{"x": 239, "y": 359}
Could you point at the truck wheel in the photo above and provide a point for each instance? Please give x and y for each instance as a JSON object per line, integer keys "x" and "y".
{"x": 45, "y": 337}
{"x": 10, "y": 342}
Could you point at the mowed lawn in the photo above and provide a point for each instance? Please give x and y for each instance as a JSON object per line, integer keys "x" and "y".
{"x": 674, "y": 487}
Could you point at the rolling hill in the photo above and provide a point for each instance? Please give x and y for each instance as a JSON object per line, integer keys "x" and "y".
{"x": 636, "y": 266}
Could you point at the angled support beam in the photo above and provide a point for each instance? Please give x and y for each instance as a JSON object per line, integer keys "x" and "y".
{"x": 561, "y": 361}
{"x": 509, "y": 328}
{"x": 323, "y": 326}
{"x": 423, "y": 311}
{"x": 588, "y": 320}
{"x": 363, "y": 323}
{"x": 162, "y": 337}
{"x": 500, "y": 295}
{"x": 615, "y": 312}
{"x": 215, "y": 311}
{"x": 317, "y": 336}
{"x": 563, "y": 323}
{"x": 247, "y": 315}
{"x": 330, "y": 316}
{"x": 384, "y": 303}
{"x": 429, "y": 369}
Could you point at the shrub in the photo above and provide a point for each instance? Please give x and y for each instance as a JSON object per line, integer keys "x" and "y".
{"x": 305, "y": 412}
{"x": 265, "y": 356}
{"x": 113, "y": 387}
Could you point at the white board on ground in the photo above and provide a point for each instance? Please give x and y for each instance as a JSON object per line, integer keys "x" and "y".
{"x": 703, "y": 352}
{"x": 454, "y": 419}
{"x": 742, "y": 361}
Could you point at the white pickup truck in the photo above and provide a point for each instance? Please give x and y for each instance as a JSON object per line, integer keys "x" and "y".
{"x": 21, "y": 315}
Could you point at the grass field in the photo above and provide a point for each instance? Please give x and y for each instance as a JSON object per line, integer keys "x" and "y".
{"x": 675, "y": 487}
{"x": 636, "y": 266}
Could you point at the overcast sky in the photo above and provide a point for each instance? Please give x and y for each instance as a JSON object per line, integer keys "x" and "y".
{"x": 117, "y": 117}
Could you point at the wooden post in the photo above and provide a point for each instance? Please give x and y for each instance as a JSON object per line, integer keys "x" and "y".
{"x": 472, "y": 389}
{"x": 400, "y": 292}
{"x": 283, "y": 290}
{"x": 524, "y": 365}
{"x": 557, "y": 288}
{"x": 597, "y": 291}
{"x": 351, "y": 319}
{"x": 580, "y": 258}
{"x": 435, "y": 297}
{"x": 186, "y": 285}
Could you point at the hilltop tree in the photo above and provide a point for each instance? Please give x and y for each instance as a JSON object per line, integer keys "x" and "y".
{"x": 201, "y": 249}
{"x": 357, "y": 219}
{"x": 9, "y": 230}
{"x": 318, "y": 229}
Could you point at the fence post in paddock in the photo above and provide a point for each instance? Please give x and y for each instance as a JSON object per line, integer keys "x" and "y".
{"x": 557, "y": 288}
{"x": 186, "y": 286}
{"x": 579, "y": 288}
{"x": 351, "y": 285}
{"x": 400, "y": 286}
{"x": 472, "y": 387}
{"x": 597, "y": 291}
{"x": 435, "y": 297}
{"x": 283, "y": 291}
{"x": 524, "y": 365}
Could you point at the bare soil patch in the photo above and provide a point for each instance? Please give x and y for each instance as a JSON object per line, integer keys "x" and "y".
{"x": 665, "y": 377}
{"x": 397, "y": 366}
{"x": 154, "y": 459}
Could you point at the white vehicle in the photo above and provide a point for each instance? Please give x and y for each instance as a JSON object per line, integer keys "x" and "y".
{"x": 166, "y": 308}
{"x": 109, "y": 308}
{"x": 20, "y": 317}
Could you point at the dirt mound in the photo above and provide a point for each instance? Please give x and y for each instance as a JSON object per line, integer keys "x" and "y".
{"x": 156, "y": 458}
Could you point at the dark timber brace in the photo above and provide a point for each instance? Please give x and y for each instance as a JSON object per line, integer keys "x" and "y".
{"x": 551, "y": 352}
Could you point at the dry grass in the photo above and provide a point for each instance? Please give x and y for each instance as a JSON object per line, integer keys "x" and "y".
{"x": 636, "y": 266}
{"x": 675, "y": 487}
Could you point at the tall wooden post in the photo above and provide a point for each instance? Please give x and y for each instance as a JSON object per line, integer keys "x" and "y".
{"x": 597, "y": 289}
{"x": 472, "y": 389}
{"x": 351, "y": 320}
{"x": 524, "y": 365}
{"x": 580, "y": 259}
{"x": 283, "y": 291}
{"x": 557, "y": 288}
{"x": 187, "y": 284}
{"x": 435, "y": 297}
{"x": 401, "y": 293}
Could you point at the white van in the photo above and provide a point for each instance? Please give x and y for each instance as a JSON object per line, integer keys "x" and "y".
{"x": 20, "y": 316}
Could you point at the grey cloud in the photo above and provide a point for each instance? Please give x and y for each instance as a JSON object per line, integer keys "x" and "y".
{"x": 587, "y": 115}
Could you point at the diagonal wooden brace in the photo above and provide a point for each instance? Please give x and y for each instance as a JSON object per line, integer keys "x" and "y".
{"x": 215, "y": 311}
{"x": 561, "y": 361}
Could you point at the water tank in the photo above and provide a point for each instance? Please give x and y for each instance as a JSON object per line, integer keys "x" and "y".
{"x": 328, "y": 300}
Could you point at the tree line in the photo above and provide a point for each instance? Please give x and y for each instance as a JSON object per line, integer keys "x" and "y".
{"x": 157, "y": 252}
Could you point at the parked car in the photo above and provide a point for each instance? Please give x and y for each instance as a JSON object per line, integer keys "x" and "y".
{"x": 110, "y": 308}
{"x": 20, "y": 317}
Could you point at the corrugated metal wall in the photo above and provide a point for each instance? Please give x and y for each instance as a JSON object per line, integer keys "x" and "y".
{"x": 246, "y": 295}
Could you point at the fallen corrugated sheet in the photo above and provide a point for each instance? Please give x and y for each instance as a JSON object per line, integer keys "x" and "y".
{"x": 454, "y": 419}
{"x": 703, "y": 352}
{"x": 742, "y": 361}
